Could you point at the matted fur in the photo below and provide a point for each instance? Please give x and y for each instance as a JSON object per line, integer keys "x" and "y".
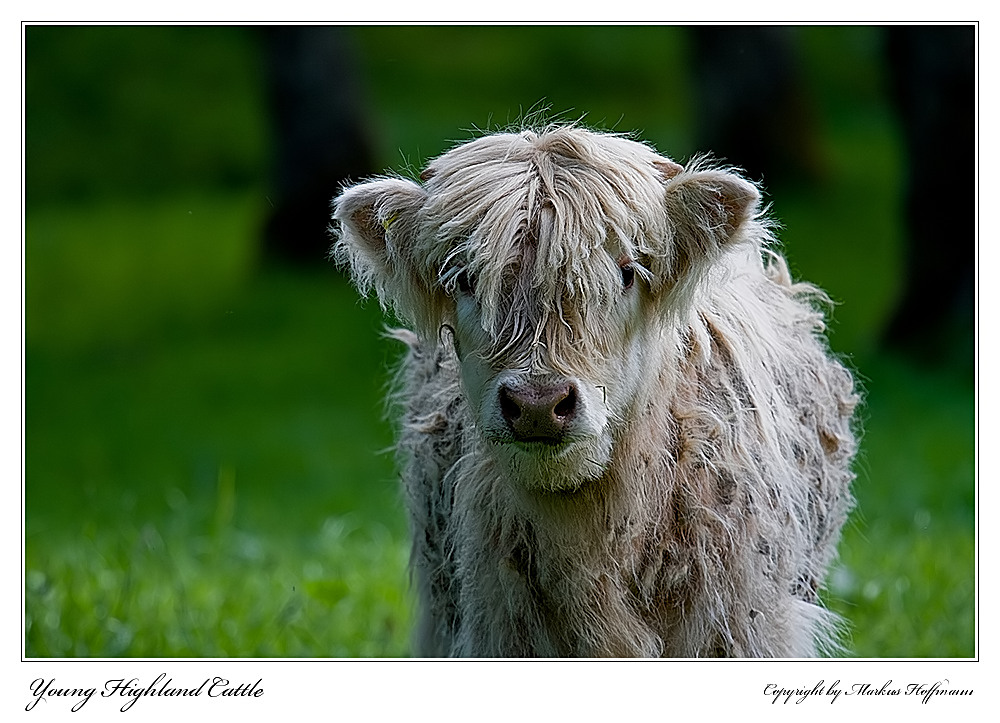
{"x": 694, "y": 503}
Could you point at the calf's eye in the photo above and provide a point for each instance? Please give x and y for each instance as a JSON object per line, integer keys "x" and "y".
{"x": 628, "y": 276}
{"x": 465, "y": 283}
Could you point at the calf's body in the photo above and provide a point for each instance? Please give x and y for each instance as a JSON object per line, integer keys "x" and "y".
{"x": 622, "y": 431}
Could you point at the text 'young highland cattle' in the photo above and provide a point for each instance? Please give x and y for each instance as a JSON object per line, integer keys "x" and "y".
{"x": 623, "y": 433}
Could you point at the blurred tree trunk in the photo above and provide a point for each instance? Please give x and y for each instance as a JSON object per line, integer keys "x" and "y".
{"x": 932, "y": 70}
{"x": 320, "y": 136}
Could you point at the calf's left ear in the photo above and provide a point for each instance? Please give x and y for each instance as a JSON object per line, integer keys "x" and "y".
{"x": 376, "y": 225}
{"x": 707, "y": 210}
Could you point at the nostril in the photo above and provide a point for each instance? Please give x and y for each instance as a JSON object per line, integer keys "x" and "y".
{"x": 567, "y": 405}
{"x": 510, "y": 409}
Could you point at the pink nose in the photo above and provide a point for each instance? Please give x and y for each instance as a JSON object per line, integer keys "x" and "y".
{"x": 538, "y": 413}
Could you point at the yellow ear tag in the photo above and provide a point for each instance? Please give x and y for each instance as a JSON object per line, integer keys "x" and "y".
{"x": 389, "y": 221}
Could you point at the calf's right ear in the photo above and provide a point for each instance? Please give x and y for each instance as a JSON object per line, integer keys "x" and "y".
{"x": 375, "y": 227}
{"x": 708, "y": 209}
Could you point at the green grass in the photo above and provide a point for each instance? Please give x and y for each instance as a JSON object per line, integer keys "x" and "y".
{"x": 200, "y": 592}
{"x": 211, "y": 480}
{"x": 906, "y": 578}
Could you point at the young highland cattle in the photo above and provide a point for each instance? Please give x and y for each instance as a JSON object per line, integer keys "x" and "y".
{"x": 623, "y": 433}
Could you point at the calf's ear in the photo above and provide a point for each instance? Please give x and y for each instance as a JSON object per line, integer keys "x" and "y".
{"x": 707, "y": 210}
{"x": 375, "y": 228}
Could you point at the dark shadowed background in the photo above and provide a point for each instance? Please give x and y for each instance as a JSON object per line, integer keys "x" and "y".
{"x": 205, "y": 440}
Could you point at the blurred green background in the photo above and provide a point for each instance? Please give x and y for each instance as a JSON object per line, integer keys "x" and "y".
{"x": 207, "y": 465}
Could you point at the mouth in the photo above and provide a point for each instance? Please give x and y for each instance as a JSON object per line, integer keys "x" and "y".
{"x": 543, "y": 445}
{"x": 554, "y": 466}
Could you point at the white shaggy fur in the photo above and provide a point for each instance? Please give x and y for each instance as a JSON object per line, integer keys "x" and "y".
{"x": 623, "y": 434}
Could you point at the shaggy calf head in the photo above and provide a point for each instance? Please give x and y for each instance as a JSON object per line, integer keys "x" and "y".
{"x": 554, "y": 261}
